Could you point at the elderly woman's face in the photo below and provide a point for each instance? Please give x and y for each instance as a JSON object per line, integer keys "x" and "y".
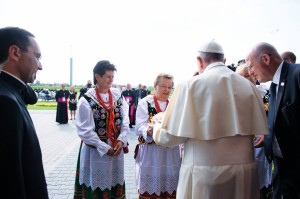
{"x": 248, "y": 76}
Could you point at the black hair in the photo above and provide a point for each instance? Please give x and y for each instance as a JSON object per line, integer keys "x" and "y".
{"x": 13, "y": 36}
{"x": 101, "y": 68}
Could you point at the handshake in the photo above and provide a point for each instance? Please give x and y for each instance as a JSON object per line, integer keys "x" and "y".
{"x": 158, "y": 118}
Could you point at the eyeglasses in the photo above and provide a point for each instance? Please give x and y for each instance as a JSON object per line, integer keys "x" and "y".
{"x": 165, "y": 87}
{"x": 250, "y": 67}
{"x": 38, "y": 56}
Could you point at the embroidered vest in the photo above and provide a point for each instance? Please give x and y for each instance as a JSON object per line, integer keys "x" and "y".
{"x": 101, "y": 118}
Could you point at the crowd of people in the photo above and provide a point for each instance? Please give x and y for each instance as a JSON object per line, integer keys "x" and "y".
{"x": 67, "y": 100}
{"x": 216, "y": 135}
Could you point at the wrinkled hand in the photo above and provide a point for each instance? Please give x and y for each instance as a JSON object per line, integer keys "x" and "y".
{"x": 258, "y": 141}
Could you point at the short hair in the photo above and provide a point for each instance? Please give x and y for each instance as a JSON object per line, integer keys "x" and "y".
{"x": 210, "y": 57}
{"x": 163, "y": 75}
{"x": 266, "y": 48}
{"x": 289, "y": 55}
{"x": 13, "y": 36}
{"x": 101, "y": 68}
{"x": 241, "y": 68}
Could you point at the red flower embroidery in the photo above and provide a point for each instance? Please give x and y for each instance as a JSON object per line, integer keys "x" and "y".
{"x": 105, "y": 195}
{"x": 120, "y": 191}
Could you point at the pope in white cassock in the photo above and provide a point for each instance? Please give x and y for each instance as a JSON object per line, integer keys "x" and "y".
{"x": 216, "y": 115}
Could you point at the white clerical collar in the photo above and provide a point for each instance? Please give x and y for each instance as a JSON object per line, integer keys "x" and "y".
{"x": 214, "y": 65}
{"x": 276, "y": 77}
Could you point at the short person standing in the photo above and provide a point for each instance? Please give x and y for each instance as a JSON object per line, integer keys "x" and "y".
{"x": 157, "y": 167}
{"x": 72, "y": 102}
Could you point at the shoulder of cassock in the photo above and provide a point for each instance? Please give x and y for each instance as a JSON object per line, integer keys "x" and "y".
{"x": 217, "y": 103}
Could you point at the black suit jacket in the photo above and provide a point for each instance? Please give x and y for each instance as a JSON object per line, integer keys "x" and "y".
{"x": 287, "y": 120}
{"x": 21, "y": 168}
{"x": 143, "y": 94}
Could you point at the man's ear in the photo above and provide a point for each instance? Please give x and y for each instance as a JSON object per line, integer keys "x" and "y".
{"x": 266, "y": 58}
{"x": 14, "y": 52}
{"x": 200, "y": 64}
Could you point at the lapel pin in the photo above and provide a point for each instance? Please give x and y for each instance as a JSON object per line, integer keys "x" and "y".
{"x": 282, "y": 84}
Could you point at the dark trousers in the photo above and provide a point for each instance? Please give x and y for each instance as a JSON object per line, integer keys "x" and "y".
{"x": 286, "y": 185}
{"x": 276, "y": 182}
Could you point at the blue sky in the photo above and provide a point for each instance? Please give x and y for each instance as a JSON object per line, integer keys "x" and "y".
{"x": 144, "y": 38}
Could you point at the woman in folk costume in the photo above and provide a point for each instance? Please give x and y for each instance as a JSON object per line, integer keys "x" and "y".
{"x": 157, "y": 168}
{"x": 102, "y": 124}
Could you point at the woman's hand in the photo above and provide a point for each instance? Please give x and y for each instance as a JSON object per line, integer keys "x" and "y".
{"x": 118, "y": 148}
{"x": 111, "y": 152}
{"x": 150, "y": 130}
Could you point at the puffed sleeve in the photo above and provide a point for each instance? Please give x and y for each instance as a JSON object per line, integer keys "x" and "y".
{"x": 141, "y": 121}
{"x": 85, "y": 127}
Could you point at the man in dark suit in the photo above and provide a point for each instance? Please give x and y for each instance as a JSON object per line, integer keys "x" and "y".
{"x": 85, "y": 88}
{"x": 148, "y": 92}
{"x": 22, "y": 174}
{"x": 282, "y": 144}
{"x": 289, "y": 56}
{"x": 140, "y": 93}
{"x": 129, "y": 96}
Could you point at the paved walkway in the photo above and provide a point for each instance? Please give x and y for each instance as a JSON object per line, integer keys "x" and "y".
{"x": 60, "y": 145}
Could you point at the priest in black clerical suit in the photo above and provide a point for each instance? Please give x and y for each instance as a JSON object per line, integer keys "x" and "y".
{"x": 21, "y": 169}
{"x": 61, "y": 98}
{"x": 20, "y": 153}
{"x": 129, "y": 96}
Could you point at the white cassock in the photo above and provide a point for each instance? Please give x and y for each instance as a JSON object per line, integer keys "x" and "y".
{"x": 216, "y": 115}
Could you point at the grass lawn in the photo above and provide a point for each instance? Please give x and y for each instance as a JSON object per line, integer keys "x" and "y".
{"x": 43, "y": 105}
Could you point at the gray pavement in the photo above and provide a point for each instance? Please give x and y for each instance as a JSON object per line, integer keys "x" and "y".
{"x": 60, "y": 145}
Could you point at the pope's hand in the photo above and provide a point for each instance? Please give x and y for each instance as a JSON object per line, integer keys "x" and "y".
{"x": 158, "y": 118}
